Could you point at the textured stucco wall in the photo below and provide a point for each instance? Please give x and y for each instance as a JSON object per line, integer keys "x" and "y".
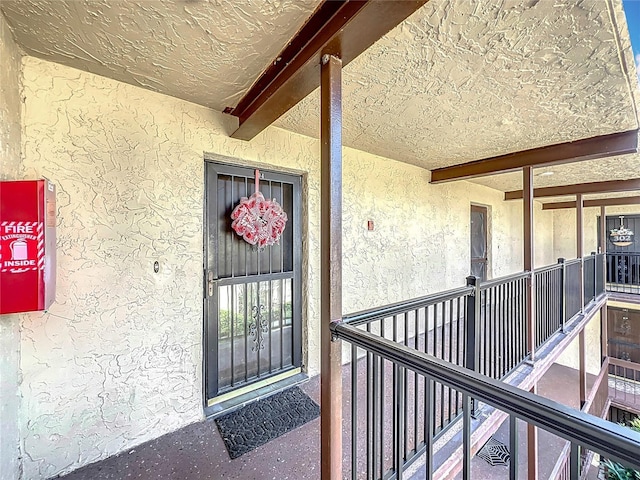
{"x": 571, "y": 355}
{"x": 420, "y": 243}
{"x": 564, "y": 228}
{"x": 10, "y": 145}
{"x": 9, "y": 104}
{"x": 118, "y": 358}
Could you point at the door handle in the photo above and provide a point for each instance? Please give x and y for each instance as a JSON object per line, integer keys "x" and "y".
{"x": 210, "y": 283}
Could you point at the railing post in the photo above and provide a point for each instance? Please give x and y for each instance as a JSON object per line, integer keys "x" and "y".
{"x": 467, "y": 414}
{"x": 581, "y": 263}
{"x": 604, "y": 340}
{"x": 595, "y": 275}
{"x": 582, "y": 368}
{"x": 472, "y": 316}
{"x": 605, "y": 268}
{"x": 399, "y": 422}
{"x": 603, "y": 246}
{"x": 532, "y": 446}
{"x": 563, "y": 293}
{"x": 574, "y": 462}
{"x": 513, "y": 447}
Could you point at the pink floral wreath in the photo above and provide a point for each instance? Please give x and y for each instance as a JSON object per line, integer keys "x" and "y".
{"x": 257, "y": 220}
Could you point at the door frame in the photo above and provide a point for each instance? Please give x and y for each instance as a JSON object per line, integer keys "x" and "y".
{"x": 299, "y": 298}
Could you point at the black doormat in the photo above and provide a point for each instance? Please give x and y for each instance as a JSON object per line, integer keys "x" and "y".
{"x": 262, "y": 421}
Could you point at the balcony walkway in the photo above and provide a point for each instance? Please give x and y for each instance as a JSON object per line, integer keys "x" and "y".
{"x": 198, "y": 452}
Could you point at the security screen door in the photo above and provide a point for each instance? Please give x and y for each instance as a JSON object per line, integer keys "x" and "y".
{"x": 479, "y": 241}
{"x": 253, "y": 327}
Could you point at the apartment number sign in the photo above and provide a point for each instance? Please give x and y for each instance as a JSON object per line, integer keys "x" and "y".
{"x": 257, "y": 220}
{"x": 621, "y": 236}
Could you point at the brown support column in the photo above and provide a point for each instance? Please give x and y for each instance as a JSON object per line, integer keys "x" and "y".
{"x": 604, "y": 334}
{"x": 331, "y": 271}
{"x": 532, "y": 447}
{"x": 527, "y": 196}
{"x": 582, "y": 347}
{"x": 581, "y": 336}
{"x": 603, "y": 231}
{"x": 579, "y": 223}
{"x": 580, "y": 244}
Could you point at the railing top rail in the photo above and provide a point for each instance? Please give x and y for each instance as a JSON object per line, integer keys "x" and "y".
{"x": 546, "y": 268}
{"x": 629, "y": 254}
{"x": 618, "y": 362}
{"x": 607, "y": 438}
{"x": 378, "y": 313}
{"x": 503, "y": 280}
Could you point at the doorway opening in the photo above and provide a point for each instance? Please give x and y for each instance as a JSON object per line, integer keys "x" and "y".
{"x": 479, "y": 250}
{"x": 253, "y": 298}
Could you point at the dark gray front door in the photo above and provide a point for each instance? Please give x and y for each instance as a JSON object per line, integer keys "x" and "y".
{"x": 253, "y": 326}
{"x": 479, "y": 242}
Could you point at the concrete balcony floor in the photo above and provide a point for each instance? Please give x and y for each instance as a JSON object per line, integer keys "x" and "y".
{"x": 198, "y": 452}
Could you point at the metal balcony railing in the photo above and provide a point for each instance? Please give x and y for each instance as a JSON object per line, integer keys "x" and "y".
{"x": 481, "y": 328}
{"x": 388, "y": 456}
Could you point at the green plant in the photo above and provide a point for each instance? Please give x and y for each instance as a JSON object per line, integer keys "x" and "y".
{"x": 616, "y": 471}
{"x": 224, "y": 322}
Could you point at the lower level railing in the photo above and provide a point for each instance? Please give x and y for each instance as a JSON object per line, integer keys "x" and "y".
{"x": 597, "y": 403}
{"x": 623, "y": 272}
{"x": 624, "y": 383}
{"x": 624, "y": 350}
{"x": 391, "y": 432}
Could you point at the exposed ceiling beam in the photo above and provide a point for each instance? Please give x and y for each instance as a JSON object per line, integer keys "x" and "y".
{"x": 602, "y": 202}
{"x": 342, "y": 28}
{"x": 585, "y": 149}
{"x": 609, "y": 186}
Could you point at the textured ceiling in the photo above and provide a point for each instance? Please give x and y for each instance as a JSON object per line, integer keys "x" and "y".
{"x": 457, "y": 81}
{"x": 460, "y": 81}
{"x": 614, "y": 168}
{"x": 205, "y": 51}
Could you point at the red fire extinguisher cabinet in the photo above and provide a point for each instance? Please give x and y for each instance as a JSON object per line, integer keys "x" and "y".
{"x": 27, "y": 245}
